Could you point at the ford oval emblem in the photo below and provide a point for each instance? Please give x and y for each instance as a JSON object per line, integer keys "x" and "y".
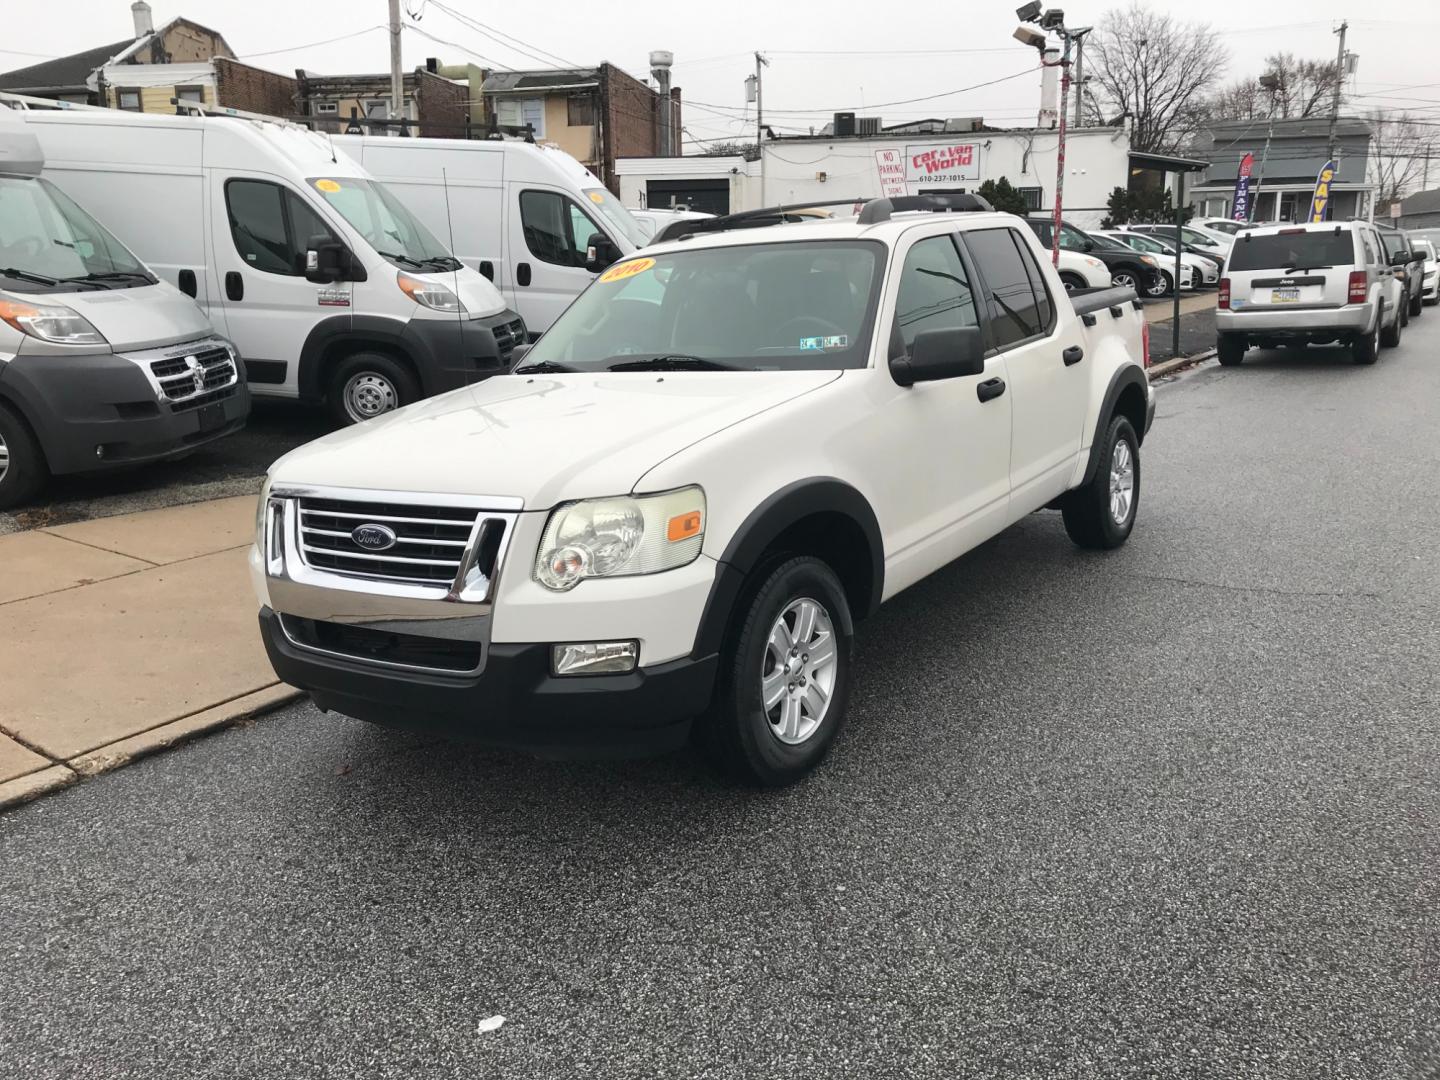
{"x": 373, "y": 537}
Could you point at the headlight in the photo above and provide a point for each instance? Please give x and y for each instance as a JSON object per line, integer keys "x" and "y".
{"x": 431, "y": 294}
{"x": 1094, "y": 264}
{"x": 620, "y": 537}
{"x": 50, "y": 322}
{"x": 1149, "y": 260}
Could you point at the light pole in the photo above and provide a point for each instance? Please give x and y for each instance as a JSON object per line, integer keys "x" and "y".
{"x": 1053, "y": 21}
{"x": 1272, "y": 85}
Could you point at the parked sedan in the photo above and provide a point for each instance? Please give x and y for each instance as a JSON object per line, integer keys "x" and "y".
{"x": 1203, "y": 270}
{"x": 1430, "y": 290}
{"x": 1128, "y": 268}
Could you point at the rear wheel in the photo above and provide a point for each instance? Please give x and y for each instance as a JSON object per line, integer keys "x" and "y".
{"x": 1230, "y": 349}
{"x": 366, "y": 385}
{"x": 1390, "y": 335}
{"x": 1366, "y": 348}
{"x": 785, "y": 684}
{"x": 22, "y": 463}
{"x": 1102, "y": 513}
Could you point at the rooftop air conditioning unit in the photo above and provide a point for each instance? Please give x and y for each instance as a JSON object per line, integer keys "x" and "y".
{"x": 844, "y": 123}
{"x": 867, "y": 125}
{"x": 963, "y": 123}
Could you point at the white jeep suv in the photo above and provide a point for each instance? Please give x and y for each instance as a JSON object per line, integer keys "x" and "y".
{"x": 668, "y": 518}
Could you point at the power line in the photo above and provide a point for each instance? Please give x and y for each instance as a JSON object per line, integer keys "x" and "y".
{"x": 457, "y": 45}
{"x": 312, "y": 44}
{"x": 881, "y": 104}
{"x": 519, "y": 45}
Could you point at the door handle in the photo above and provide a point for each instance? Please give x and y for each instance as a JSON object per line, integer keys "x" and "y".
{"x": 234, "y": 286}
{"x": 522, "y": 274}
{"x": 989, "y": 389}
{"x": 487, "y": 268}
{"x": 186, "y": 282}
{"x": 1073, "y": 355}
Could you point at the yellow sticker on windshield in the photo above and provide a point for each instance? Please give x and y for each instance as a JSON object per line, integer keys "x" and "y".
{"x": 327, "y": 186}
{"x": 597, "y": 197}
{"x": 621, "y": 271}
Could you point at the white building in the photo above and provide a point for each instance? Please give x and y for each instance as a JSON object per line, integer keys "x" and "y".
{"x": 930, "y": 156}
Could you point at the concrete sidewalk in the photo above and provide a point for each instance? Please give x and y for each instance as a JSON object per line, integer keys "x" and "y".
{"x": 125, "y": 635}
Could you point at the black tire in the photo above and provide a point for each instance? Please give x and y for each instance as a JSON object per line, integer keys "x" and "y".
{"x": 23, "y": 471}
{"x": 389, "y": 384}
{"x": 1125, "y": 278}
{"x": 737, "y": 734}
{"x": 1164, "y": 286}
{"x": 1230, "y": 349}
{"x": 1366, "y": 349}
{"x": 1390, "y": 335}
{"x": 1072, "y": 281}
{"x": 1405, "y": 313}
{"x": 1088, "y": 510}
{"x": 1417, "y": 303}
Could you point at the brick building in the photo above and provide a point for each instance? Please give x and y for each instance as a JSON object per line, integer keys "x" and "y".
{"x": 434, "y": 107}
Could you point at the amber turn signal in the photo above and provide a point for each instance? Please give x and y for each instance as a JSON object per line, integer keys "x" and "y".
{"x": 683, "y": 526}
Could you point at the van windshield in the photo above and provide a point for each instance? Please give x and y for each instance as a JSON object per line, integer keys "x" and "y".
{"x": 47, "y": 241}
{"x": 755, "y": 307}
{"x": 1293, "y": 250}
{"x": 384, "y": 222}
{"x": 617, "y": 217}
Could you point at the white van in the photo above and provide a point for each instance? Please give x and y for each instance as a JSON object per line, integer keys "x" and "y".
{"x": 102, "y": 364}
{"x": 521, "y": 214}
{"x": 327, "y": 285}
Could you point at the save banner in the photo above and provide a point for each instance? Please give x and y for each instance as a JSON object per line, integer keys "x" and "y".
{"x": 942, "y": 164}
{"x": 1242, "y": 189}
{"x": 1320, "y": 201}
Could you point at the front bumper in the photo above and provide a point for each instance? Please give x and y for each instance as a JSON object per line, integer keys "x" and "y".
{"x": 1297, "y": 321}
{"x": 83, "y": 403}
{"x": 515, "y": 702}
{"x": 451, "y": 353}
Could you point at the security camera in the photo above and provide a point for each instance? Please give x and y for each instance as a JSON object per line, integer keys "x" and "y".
{"x": 1053, "y": 19}
{"x": 1026, "y": 36}
{"x": 1029, "y": 13}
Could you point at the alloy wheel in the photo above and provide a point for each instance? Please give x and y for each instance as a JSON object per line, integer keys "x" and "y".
{"x": 367, "y": 395}
{"x": 1123, "y": 279}
{"x": 4, "y": 458}
{"x": 797, "y": 680}
{"x": 1122, "y": 482}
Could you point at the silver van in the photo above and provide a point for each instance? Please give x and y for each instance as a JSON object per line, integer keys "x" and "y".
{"x": 101, "y": 363}
{"x": 1309, "y": 285}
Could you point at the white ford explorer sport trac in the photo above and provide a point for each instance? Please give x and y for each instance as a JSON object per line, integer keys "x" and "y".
{"x": 667, "y": 519}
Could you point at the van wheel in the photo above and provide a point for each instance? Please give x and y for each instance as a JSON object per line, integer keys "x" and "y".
{"x": 785, "y": 685}
{"x": 1230, "y": 349}
{"x": 1101, "y": 514}
{"x": 23, "y": 471}
{"x": 366, "y": 385}
{"x": 1390, "y": 335}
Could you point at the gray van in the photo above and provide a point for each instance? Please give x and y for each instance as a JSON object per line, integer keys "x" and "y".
{"x": 101, "y": 363}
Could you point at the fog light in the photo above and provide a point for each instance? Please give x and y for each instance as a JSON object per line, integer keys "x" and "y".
{"x": 595, "y": 657}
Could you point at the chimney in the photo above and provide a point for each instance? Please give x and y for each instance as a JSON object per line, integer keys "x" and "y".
{"x": 1050, "y": 89}
{"x": 661, "y": 61}
{"x": 140, "y": 10}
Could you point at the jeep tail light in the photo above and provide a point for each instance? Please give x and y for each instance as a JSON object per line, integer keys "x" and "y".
{"x": 1222, "y": 301}
{"x": 1359, "y": 290}
{"x": 1144, "y": 342}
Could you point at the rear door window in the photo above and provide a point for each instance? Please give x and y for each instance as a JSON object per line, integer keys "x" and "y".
{"x": 1297, "y": 250}
{"x": 1016, "y": 313}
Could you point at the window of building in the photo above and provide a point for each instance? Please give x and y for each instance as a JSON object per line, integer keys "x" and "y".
{"x": 327, "y": 108}
{"x": 191, "y": 93}
{"x": 518, "y": 112}
{"x": 272, "y": 227}
{"x": 935, "y": 290}
{"x": 129, "y": 100}
{"x": 1015, "y": 311}
{"x": 556, "y": 230}
{"x": 580, "y": 110}
{"x": 1032, "y": 196}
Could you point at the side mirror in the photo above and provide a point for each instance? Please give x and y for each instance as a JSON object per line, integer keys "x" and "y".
{"x": 327, "y": 260}
{"x": 1400, "y": 258}
{"x": 1089, "y": 245}
{"x": 600, "y": 252}
{"x": 949, "y": 353}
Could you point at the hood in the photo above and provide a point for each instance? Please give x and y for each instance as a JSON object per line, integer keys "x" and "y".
{"x": 544, "y": 439}
{"x": 137, "y": 318}
{"x": 476, "y": 292}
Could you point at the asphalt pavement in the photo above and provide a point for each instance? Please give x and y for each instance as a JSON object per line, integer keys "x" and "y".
{"x": 1171, "y": 811}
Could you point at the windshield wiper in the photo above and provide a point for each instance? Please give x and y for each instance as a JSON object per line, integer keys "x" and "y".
{"x": 443, "y": 262}
{"x": 1297, "y": 266}
{"x": 666, "y": 362}
{"x": 110, "y": 275}
{"x": 397, "y": 257}
{"x": 26, "y": 275}
{"x": 543, "y": 367}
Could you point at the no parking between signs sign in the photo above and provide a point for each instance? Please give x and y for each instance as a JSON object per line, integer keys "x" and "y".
{"x": 891, "y": 164}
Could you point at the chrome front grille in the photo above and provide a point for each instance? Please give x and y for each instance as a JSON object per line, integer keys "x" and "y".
{"x": 507, "y": 336}
{"x": 190, "y": 375}
{"x": 443, "y": 546}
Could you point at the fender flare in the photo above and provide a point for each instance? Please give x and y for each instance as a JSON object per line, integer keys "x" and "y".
{"x": 765, "y": 524}
{"x": 324, "y": 335}
{"x": 1129, "y": 375}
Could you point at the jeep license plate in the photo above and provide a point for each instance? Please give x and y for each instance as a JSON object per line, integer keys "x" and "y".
{"x": 1284, "y": 296}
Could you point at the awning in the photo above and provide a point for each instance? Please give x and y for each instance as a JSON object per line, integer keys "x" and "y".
{"x": 1166, "y": 163}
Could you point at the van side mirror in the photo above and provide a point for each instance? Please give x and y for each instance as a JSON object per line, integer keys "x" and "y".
{"x": 328, "y": 260}
{"x": 600, "y": 252}
{"x": 1400, "y": 258}
{"x": 948, "y": 353}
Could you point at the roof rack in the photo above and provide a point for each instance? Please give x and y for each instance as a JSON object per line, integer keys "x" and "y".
{"x": 24, "y": 101}
{"x": 871, "y": 212}
{"x": 881, "y": 209}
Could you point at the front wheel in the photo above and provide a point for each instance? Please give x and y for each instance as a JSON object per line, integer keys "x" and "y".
{"x": 1163, "y": 285}
{"x": 1417, "y": 304}
{"x": 366, "y": 385}
{"x": 1124, "y": 279}
{"x": 22, "y": 462}
{"x": 1101, "y": 514}
{"x": 1072, "y": 282}
{"x": 785, "y": 683}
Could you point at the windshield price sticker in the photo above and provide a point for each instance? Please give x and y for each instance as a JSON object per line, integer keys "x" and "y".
{"x": 621, "y": 271}
{"x": 327, "y": 186}
{"x": 840, "y": 341}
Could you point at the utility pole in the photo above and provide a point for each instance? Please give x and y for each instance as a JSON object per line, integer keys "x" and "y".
{"x": 397, "y": 82}
{"x": 760, "y": 63}
{"x": 1335, "y": 100}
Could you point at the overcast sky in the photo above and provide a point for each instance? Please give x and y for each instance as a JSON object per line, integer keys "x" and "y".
{"x": 824, "y": 57}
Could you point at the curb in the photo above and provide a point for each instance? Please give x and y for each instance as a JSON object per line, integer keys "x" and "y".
{"x": 124, "y": 751}
{"x": 1179, "y": 363}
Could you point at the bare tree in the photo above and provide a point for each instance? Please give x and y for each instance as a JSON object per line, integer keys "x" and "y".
{"x": 1402, "y": 151}
{"x": 1303, "y": 88}
{"x": 1159, "y": 70}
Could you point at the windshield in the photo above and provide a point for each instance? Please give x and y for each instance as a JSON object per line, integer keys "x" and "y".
{"x": 617, "y": 217}
{"x": 756, "y": 307}
{"x": 384, "y": 223}
{"x": 43, "y": 234}
{"x": 1231, "y": 227}
{"x": 1199, "y": 239}
{"x": 1143, "y": 243}
{"x": 1293, "y": 249}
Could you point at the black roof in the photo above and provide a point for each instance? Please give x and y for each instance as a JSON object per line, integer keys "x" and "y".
{"x": 65, "y": 72}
